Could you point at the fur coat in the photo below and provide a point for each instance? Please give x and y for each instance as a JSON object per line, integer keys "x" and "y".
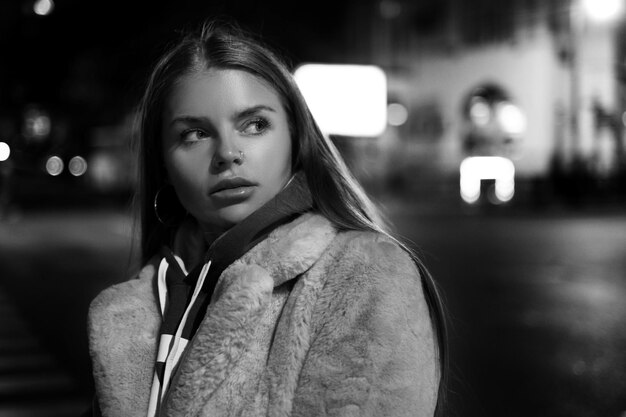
{"x": 310, "y": 322}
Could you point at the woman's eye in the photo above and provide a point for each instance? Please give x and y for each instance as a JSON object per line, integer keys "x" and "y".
{"x": 193, "y": 135}
{"x": 256, "y": 126}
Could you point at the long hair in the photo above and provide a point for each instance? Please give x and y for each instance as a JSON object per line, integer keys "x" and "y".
{"x": 335, "y": 192}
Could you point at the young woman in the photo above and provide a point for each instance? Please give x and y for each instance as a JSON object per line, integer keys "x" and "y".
{"x": 270, "y": 286}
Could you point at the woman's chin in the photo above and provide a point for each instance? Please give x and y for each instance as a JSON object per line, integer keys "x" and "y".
{"x": 227, "y": 217}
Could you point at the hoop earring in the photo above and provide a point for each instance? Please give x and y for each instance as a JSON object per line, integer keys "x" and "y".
{"x": 169, "y": 220}
{"x": 156, "y": 205}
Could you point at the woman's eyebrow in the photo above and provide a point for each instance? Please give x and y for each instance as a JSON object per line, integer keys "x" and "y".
{"x": 189, "y": 120}
{"x": 249, "y": 111}
{"x": 253, "y": 110}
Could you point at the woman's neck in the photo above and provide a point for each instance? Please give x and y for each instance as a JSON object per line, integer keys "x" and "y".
{"x": 212, "y": 233}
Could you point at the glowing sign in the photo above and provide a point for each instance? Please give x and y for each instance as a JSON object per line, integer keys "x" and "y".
{"x": 349, "y": 100}
{"x": 475, "y": 169}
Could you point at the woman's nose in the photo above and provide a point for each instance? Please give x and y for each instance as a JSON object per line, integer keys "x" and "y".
{"x": 227, "y": 154}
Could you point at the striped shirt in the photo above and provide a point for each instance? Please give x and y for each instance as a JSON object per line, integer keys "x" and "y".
{"x": 182, "y": 304}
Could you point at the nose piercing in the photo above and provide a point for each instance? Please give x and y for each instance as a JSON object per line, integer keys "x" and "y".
{"x": 228, "y": 157}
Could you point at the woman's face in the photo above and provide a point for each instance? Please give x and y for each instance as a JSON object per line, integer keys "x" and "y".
{"x": 226, "y": 145}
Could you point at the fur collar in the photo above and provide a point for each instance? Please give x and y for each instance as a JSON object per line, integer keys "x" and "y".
{"x": 124, "y": 321}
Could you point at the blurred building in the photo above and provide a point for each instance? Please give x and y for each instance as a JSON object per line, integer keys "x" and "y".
{"x": 535, "y": 82}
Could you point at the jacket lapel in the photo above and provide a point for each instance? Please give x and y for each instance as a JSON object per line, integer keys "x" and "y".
{"x": 220, "y": 340}
{"x": 292, "y": 249}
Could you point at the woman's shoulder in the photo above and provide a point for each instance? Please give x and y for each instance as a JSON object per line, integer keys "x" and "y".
{"x": 373, "y": 269}
{"x": 349, "y": 249}
{"x": 377, "y": 251}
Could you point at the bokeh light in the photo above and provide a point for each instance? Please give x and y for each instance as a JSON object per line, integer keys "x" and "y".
{"x": 603, "y": 10}
{"x": 480, "y": 111}
{"x": 5, "y": 151}
{"x": 43, "y": 7}
{"x": 54, "y": 165}
{"x": 511, "y": 118}
{"x": 77, "y": 166}
{"x": 397, "y": 114}
{"x": 37, "y": 125}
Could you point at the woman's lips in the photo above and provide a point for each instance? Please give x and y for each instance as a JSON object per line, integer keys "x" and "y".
{"x": 234, "y": 194}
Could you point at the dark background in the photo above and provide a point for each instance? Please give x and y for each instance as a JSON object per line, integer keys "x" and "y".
{"x": 90, "y": 58}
